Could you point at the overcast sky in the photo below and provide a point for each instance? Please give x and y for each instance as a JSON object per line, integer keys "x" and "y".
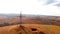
{"x": 42, "y": 7}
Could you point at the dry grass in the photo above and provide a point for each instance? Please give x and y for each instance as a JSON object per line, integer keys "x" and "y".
{"x": 48, "y": 29}
{"x": 16, "y": 29}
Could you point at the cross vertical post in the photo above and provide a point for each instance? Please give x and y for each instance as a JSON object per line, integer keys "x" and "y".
{"x": 20, "y": 18}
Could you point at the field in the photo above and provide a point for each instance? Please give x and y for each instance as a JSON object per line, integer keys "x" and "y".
{"x": 30, "y": 29}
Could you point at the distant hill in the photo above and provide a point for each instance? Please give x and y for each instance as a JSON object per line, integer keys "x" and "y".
{"x": 29, "y": 19}
{"x": 41, "y": 19}
{"x": 9, "y": 15}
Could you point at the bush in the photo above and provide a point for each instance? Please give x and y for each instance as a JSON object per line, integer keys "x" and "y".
{"x": 5, "y": 24}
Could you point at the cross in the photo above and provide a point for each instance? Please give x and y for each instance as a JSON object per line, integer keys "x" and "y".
{"x": 20, "y": 18}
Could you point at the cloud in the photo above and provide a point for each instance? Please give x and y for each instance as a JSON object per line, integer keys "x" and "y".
{"x": 30, "y": 7}
{"x": 49, "y": 2}
{"x": 41, "y": 9}
{"x": 58, "y": 5}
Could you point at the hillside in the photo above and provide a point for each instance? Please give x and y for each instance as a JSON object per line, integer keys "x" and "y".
{"x": 28, "y": 28}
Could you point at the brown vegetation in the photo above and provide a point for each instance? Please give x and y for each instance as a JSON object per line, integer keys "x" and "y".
{"x": 30, "y": 29}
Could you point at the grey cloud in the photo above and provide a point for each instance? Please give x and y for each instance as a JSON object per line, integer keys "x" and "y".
{"x": 48, "y": 2}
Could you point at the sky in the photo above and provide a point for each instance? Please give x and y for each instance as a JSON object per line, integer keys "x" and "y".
{"x": 37, "y": 7}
